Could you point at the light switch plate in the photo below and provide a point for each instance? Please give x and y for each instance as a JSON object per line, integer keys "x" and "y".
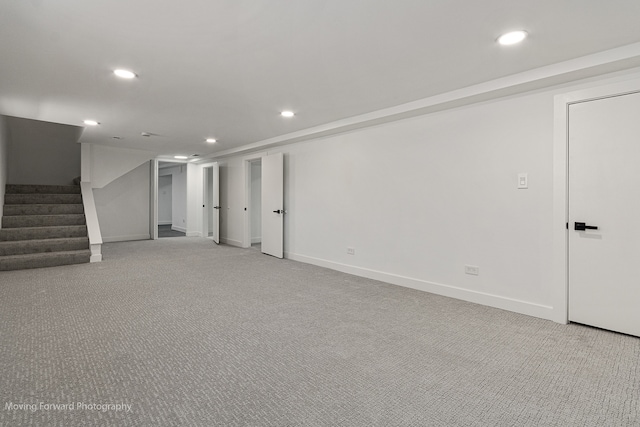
{"x": 523, "y": 180}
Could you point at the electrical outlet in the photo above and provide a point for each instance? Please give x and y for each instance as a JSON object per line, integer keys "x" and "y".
{"x": 474, "y": 270}
{"x": 351, "y": 251}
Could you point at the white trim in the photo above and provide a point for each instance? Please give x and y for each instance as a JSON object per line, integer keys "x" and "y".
{"x": 96, "y": 253}
{"x": 497, "y": 301}
{"x": 231, "y": 242}
{"x": 126, "y": 238}
{"x": 180, "y": 229}
{"x": 609, "y": 61}
{"x": 256, "y": 240}
{"x": 560, "y": 185}
{"x": 194, "y": 234}
{"x": 165, "y": 222}
{"x": 91, "y": 220}
{"x": 153, "y": 199}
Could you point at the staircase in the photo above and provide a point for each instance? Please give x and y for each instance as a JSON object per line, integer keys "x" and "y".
{"x": 43, "y": 226}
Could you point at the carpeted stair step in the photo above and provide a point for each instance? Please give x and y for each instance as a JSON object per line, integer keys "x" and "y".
{"x": 12, "y": 234}
{"x": 42, "y": 189}
{"x": 20, "y": 247}
{"x": 42, "y": 220}
{"x": 21, "y": 199}
{"x": 32, "y": 209}
{"x": 48, "y": 259}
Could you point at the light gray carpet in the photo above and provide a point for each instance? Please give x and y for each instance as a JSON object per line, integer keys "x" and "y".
{"x": 166, "y": 231}
{"x": 190, "y": 333}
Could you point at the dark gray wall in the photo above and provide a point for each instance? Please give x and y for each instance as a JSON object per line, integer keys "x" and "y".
{"x": 42, "y": 152}
{"x": 4, "y": 150}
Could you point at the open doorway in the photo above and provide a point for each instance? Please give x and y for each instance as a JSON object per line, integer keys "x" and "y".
{"x": 172, "y": 199}
{"x": 255, "y": 203}
{"x": 211, "y": 202}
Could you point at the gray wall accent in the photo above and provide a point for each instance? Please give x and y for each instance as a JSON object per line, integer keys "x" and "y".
{"x": 123, "y": 206}
{"x": 43, "y": 152}
{"x": 4, "y": 148}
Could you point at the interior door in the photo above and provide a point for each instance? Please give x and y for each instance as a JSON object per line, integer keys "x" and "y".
{"x": 211, "y": 205}
{"x": 273, "y": 205}
{"x": 604, "y": 209}
{"x": 215, "y": 203}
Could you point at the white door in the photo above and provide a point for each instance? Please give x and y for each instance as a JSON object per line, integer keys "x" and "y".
{"x": 211, "y": 205}
{"x": 604, "y": 192}
{"x": 273, "y": 205}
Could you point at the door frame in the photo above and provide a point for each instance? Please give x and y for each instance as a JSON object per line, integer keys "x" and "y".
{"x": 205, "y": 185}
{"x": 560, "y": 250}
{"x": 246, "y": 224}
{"x": 153, "y": 199}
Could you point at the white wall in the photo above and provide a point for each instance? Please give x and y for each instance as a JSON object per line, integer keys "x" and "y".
{"x": 42, "y": 152}
{"x": 4, "y": 151}
{"x": 421, "y": 197}
{"x": 255, "y": 206}
{"x": 123, "y": 206}
{"x": 165, "y": 200}
{"x": 110, "y": 163}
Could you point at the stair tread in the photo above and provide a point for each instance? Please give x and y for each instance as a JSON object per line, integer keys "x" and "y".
{"x": 44, "y": 227}
{"x": 42, "y": 189}
{"x": 29, "y": 209}
{"x": 42, "y": 199}
{"x": 47, "y": 254}
{"x": 42, "y": 241}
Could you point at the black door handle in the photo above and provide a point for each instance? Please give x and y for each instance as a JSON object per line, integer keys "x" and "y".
{"x": 278, "y": 211}
{"x": 216, "y": 207}
{"x": 581, "y": 226}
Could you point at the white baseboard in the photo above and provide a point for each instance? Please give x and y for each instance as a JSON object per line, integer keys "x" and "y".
{"x": 231, "y": 242}
{"x": 165, "y": 222}
{"x": 497, "y": 301}
{"x": 180, "y": 229}
{"x": 125, "y": 238}
{"x": 193, "y": 234}
{"x": 256, "y": 240}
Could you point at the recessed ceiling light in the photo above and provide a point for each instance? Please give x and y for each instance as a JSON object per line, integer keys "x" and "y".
{"x": 512, "y": 38}
{"x": 125, "y": 74}
{"x": 211, "y": 140}
{"x": 287, "y": 114}
{"x": 180, "y": 157}
{"x": 91, "y": 123}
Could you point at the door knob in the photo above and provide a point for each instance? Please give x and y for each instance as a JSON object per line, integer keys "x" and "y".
{"x": 278, "y": 211}
{"x": 581, "y": 226}
{"x": 216, "y": 207}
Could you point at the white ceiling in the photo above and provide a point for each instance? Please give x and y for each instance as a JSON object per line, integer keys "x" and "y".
{"x": 226, "y": 68}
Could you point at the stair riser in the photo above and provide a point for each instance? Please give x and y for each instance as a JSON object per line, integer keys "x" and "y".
{"x": 43, "y": 246}
{"x": 42, "y": 221}
{"x": 13, "y": 234}
{"x": 22, "y": 199}
{"x": 38, "y": 261}
{"x": 42, "y": 189}
{"x": 12, "y": 210}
